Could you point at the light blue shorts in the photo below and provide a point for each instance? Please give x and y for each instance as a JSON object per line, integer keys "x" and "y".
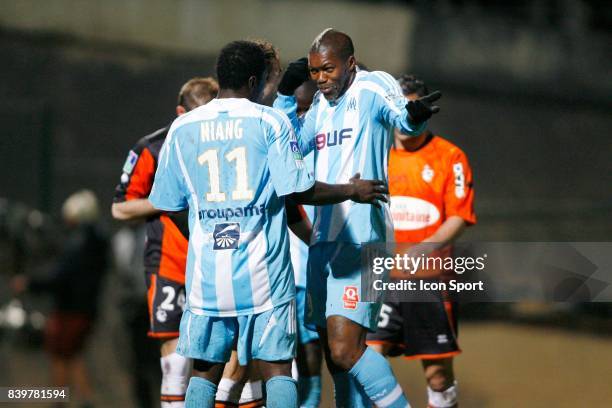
{"x": 268, "y": 336}
{"x": 305, "y": 335}
{"x": 334, "y": 285}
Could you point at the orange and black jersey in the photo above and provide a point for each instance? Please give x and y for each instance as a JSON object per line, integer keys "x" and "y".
{"x": 427, "y": 186}
{"x": 167, "y": 234}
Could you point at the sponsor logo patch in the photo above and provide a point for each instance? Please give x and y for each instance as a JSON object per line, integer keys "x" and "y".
{"x": 226, "y": 236}
{"x": 227, "y": 213}
{"x": 130, "y": 162}
{"x": 350, "y": 297}
{"x": 411, "y": 213}
{"x": 442, "y": 339}
{"x": 332, "y": 138}
{"x": 459, "y": 180}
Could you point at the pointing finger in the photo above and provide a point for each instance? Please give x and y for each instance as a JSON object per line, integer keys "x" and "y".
{"x": 434, "y": 96}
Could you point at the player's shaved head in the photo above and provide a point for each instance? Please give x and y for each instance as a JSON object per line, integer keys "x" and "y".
{"x": 336, "y": 41}
{"x": 331, "y": 63}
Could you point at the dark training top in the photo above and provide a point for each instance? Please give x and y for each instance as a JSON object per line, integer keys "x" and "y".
{"x": 167, "y": 234}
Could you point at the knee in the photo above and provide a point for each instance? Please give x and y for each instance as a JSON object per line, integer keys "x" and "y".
{"x": 175, "y": 374}
{"x": 440, "y": 380}
{"x": 344, "y": 354}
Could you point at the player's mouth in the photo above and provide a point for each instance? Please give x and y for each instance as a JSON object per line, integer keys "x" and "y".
{"x": 327, "y": 90}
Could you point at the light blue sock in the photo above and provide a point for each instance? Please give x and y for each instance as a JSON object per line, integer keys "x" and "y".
{"x": 374, "y": 373}
{"x": 281, "y": 392}
{"x": 200, "y": 393}
{"x": 309, "y": 391}
{"x": 348, "y": 393}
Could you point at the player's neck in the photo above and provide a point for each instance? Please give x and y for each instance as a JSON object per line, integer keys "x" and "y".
{"x": 413, "y": 144}
{"x": 234, "y": 93}
{"x": 349, "y": 82}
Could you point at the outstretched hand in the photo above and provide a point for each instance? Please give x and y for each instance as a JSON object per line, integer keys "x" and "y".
{"x": 295, "y": 75}
{"x": 368, "y": 191}
{"x": 422, "y": 108}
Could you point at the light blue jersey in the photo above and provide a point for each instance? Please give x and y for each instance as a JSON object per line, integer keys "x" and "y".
{"x": 299, "y": 250}
{"x": 231, "y": 162}
{"x": 352, "y": 135}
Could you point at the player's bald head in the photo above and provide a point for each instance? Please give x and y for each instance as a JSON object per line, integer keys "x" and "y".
{"x": 336, "y": 41}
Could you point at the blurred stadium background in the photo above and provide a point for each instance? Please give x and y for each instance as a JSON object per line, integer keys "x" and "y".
{"x": 526, "y": 86}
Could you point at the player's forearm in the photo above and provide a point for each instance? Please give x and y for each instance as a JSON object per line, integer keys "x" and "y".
{"x": 288, "y": 105}
{"x": 133, "y": 209}
{"x": 323, "y": 194}
{"x": 410, "y": 128}
{"x": 448, "y": 232}
{"x": 302, "y": 229}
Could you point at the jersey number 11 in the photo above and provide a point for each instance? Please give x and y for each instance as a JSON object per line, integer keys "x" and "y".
{"x": 242, "y": 191}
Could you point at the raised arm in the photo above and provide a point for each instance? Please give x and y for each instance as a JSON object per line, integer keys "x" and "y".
{"x": 295, "y": 75}
{"x": 395, "y": 110}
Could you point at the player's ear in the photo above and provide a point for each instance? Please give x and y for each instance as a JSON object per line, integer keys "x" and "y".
{"x": 351, "y": 63}
{"x": 180, "y": 110}
{"x": 252, "y": 82}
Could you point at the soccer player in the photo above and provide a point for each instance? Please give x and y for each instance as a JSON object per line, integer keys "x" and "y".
{"x": 233, "y": 388}
{"x": 166, "y": 243}
{"x": 232, "y": 162}
{"x": 309, "y": 353}
{"x": 349, "y": 127}
{"x": 273, "y": 71}
{"x": 429, "y": 179}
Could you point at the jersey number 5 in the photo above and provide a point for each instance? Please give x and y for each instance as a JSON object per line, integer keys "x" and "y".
{"x": 242, "y": 191}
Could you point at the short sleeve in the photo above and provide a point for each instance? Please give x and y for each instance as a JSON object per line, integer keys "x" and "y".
{"x": 137, "y": 174}
{"x": 169, "y": 192}
{"x": 288, "y": 171}
{"x": 304, "y": 128}
{"x": 459, "y": 194}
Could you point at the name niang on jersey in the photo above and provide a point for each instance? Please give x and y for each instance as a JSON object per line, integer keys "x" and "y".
{"x": 211, "y": 131}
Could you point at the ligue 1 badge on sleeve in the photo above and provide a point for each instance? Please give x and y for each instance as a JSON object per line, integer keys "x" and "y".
{"x": 297, "y": 153}
{"x": 130, "y": 162}
{"x": 226, "y": 236}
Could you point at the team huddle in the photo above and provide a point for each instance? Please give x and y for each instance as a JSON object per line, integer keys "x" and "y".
{"x": 256, "y": 220}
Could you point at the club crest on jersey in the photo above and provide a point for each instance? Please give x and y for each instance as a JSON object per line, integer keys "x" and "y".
{"x": 427, "y": 173}
{"x": 130, "y": 162}
{"x": 350, "y": 297}
{"x": 332, "y": 138}
{"x": 352, "y": 104}
{"x": 226, "y": 236}
{"x": 161, "y": 315}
